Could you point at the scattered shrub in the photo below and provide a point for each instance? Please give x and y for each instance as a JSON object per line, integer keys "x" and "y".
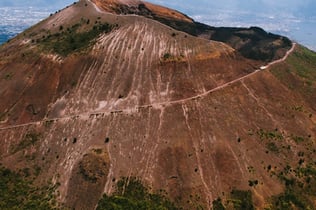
{"x": 71, "y": 40}
{"x": 28, "y": 140}
{"x": 242, "y": 200}
{"x": 18, "y": 193}
{"x": 252, "y": 183}
{"x": 271, "y": 146}
{"x": 107, "y": 140}
{"x": 298, "y": 139}
{"x": 274, "y": 135}
{"x": 217, "y": 204}
{"x": 166, "y": 56}
{"x": 131, "y": 194}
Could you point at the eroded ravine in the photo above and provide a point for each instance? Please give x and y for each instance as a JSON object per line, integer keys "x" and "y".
{"x": 99, "y": 110}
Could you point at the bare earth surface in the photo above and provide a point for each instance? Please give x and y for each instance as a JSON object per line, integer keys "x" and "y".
{"x": 182, "y": 113}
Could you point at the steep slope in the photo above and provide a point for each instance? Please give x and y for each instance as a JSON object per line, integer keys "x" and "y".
{"x": 90, "y": 95}
{"x": 253, "y": 42}
{"x": 140, "y": 62}
{"x": 141, "y": 8}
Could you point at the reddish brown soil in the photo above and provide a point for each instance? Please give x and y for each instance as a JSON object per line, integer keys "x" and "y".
{"x": 138, "y": 103}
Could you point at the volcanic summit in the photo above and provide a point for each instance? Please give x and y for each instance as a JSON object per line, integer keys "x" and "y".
{"x": 106, "y": 92}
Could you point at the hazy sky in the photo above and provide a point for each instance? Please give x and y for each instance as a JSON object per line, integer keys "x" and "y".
{"x": 257, "y": 5}
{"x": 302, "y": 7}
{"x": 293, "y": 18}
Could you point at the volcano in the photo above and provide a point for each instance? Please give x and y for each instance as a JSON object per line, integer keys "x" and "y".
{"x": 110, "y": 98}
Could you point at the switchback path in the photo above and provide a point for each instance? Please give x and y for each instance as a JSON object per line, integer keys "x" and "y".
{"x": 86, "y": 115}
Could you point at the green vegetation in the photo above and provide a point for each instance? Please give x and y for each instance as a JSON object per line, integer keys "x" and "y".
{"x": 288, "y": 200}
{"x": 298, "y": 139}
{"x": 48, "y": 123}
{"x": 253, "y": 183}
{"x": 93, "y": 166}
{"x": 28, "y": 140}
{"x": 131, "y": 194}
{"x": 217, "y": 204}
{"x": 300, "y": 188}
{"x": 302, "y": 60}
{"x": 238, "y": 200}
{"x": 299, "y": 74}
{"x": 72, "y": 40}
{"x": 167, "y": 56}
{"x": 242, "y": 200}
{"x": 271, "y": 146}
{"x": 273, "y": 135}
{"x": 18, "y": 193}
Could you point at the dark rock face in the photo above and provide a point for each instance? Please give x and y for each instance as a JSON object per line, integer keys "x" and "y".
{"x": 253, "y": 42}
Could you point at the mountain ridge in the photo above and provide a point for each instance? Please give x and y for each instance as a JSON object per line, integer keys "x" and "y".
{"x": 253, "y": 43}
{"x": 184, "y": 114}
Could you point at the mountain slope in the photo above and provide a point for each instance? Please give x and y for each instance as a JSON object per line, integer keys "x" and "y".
{"x": 90, "y": 95}
{"x": 253, "y": 42}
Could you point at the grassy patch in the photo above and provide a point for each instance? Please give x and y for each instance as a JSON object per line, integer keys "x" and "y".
{"x": 28, "y": 140}
{"x": 242, "y": 200}
{"x": 302, "y": 61}
{"x": 93, "y": 166}
{"x": 18, "y": 193}
{"x": 272, "y": 135}
{"x": 237, "y": 200}
{"x": 300, "y": 188}
{"x": 168, "y": 57}
{"x": 299, "y": 72}
{"x": 72, "y": 40}
{"x": 272, "y": 147}
{"x": 288, "y": 200}
{"x": 131, "y": 194}
{"x": 298, "y": 139}
{"x": 218, "y": 205}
